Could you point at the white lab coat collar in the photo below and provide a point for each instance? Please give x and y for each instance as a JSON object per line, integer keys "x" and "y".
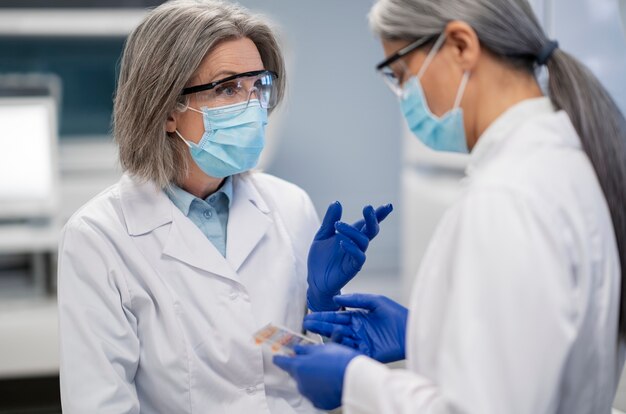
{"x": 147, "y": 208}
{"x": 505, "y": 126}
{"x": 144, "y": 205}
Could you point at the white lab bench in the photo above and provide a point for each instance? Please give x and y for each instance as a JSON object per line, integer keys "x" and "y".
{"x": 28, "y": 310}
{"x": 30, "y": 337}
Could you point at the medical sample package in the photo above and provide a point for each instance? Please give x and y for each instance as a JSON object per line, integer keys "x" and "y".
{"x": 281, "y": 340}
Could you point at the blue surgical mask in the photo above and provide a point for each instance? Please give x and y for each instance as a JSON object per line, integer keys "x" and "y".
{"x": 233, "y": 139}
{"x": 446, "y": 133}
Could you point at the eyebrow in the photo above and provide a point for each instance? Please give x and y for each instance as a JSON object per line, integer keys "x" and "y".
{"x": 222, "y": 74}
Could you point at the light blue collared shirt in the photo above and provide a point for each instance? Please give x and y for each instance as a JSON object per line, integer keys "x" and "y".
{"x": 210, "y": 214}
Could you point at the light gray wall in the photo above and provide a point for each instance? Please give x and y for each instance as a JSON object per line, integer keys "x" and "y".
{"x": 342, "y": 127}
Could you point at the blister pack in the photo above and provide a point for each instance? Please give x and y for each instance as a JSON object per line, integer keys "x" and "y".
{"x": 280, "y": 339}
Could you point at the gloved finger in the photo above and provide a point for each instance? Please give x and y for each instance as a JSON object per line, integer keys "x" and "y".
{"x": 355, "y": 257}
{"x": 381, "y": 214}
{"x": 306, "y": 349}
{"x": 353, "y": 234}
{"x": 371, "y": 228}
{"x": 359, "y": 225}
{"x": 340, "y": 332}
{"x": 323, "y": 328}
{"x": 285, "y": 363}
{"x": 328, "y": 329}
{"x": 352, "y": 343}
{"x": 333, "y": 215}
{"x": 358, "y": 301}
{"x": 383, "y": 211}
{"x": 343, "y": 318}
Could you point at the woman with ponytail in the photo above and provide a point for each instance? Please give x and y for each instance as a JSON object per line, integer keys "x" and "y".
{"x": 519, "y": 304}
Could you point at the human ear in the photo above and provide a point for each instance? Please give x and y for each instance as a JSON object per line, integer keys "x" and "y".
{"x": 170, "y": 123}
{"x": 466, "y": 47}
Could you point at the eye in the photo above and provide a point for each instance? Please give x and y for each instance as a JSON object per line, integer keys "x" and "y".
{"x": 228, "y": 89}
{"x": 391, "y": 76}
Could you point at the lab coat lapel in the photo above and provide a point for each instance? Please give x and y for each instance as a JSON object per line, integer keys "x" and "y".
{"x": 146, "y": 208}
{"x": 248, "y": 221}
{"x": 186, "y": 243}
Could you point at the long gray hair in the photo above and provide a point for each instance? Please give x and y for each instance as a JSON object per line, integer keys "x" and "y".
{"x": 510, "y": 30}
{"x": 160, "y": 57}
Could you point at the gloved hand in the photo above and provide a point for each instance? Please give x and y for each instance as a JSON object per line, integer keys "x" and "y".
{"x": 377, "y": 328}
{"x": 337, "y": 253}
{"x": 319, "y": 372}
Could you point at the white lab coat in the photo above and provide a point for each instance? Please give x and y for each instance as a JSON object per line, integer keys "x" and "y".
{"x": 154, "y": 320}
{"x": 515, "y": 306}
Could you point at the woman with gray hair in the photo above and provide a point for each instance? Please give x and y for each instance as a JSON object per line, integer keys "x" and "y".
{"x": 519, "y": 305}
{"x": 165, "y": 277}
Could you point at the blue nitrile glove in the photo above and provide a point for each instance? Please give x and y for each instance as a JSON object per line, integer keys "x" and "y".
{"x": 319, "y": 371}
{"x": 338, "y": 253}
{"x": 377, "y": 326}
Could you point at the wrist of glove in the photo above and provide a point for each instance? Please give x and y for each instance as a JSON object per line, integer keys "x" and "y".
{"x": 318, "y": 301}
{"x": 319, "y": 371}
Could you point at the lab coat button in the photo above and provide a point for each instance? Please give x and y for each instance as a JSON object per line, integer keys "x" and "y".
{"x": 251, "y": 390}
{"x": 233, "y": 295}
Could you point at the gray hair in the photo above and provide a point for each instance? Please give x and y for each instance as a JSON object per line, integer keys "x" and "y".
{"x": 510, "y": 31}
{"x": 160, "y": 57}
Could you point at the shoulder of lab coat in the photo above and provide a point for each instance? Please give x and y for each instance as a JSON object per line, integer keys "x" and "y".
{"x": 95, "y": 303}
{"x": 497, "y": 306}
{"x": 294, "y": 206}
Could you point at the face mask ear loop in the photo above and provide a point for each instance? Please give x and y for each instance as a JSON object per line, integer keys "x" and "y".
{"x": 194, "y": 109}
{"x": 181, "y": 137}
{"x": 433, "y": 52}
{"x": 459, "y": 95}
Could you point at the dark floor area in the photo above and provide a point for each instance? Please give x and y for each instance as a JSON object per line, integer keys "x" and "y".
{"x": 30, "y": 396}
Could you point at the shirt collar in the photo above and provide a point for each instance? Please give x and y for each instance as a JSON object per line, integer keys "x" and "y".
{"x": 182, "y": 199}
{"x": 504, "y": 126}
{"x": 227, "y": 190}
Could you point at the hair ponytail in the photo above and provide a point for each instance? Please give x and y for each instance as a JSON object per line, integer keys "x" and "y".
{"x": 602, "y": 131}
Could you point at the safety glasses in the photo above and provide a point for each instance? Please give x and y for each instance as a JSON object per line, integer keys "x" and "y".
{"x": 394, "y": 70}
{"x": 234, "y": 90}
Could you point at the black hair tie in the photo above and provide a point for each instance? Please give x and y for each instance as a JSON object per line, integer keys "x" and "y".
{"x": 546, "y": 52}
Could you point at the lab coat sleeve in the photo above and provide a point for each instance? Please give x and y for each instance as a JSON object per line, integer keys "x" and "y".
{"x": 509, "y": 318}
{"x": 99, "y": 347}
{"x": 311, "y": 224}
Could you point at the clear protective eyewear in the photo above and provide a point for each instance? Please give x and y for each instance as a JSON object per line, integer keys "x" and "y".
{"x": 230, "y": 92}
{"x": 395, "y": 71}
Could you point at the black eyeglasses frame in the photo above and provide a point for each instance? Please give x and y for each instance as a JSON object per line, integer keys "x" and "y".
{"x": 211, "y": 85}
{"x": 405, "y": 51}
